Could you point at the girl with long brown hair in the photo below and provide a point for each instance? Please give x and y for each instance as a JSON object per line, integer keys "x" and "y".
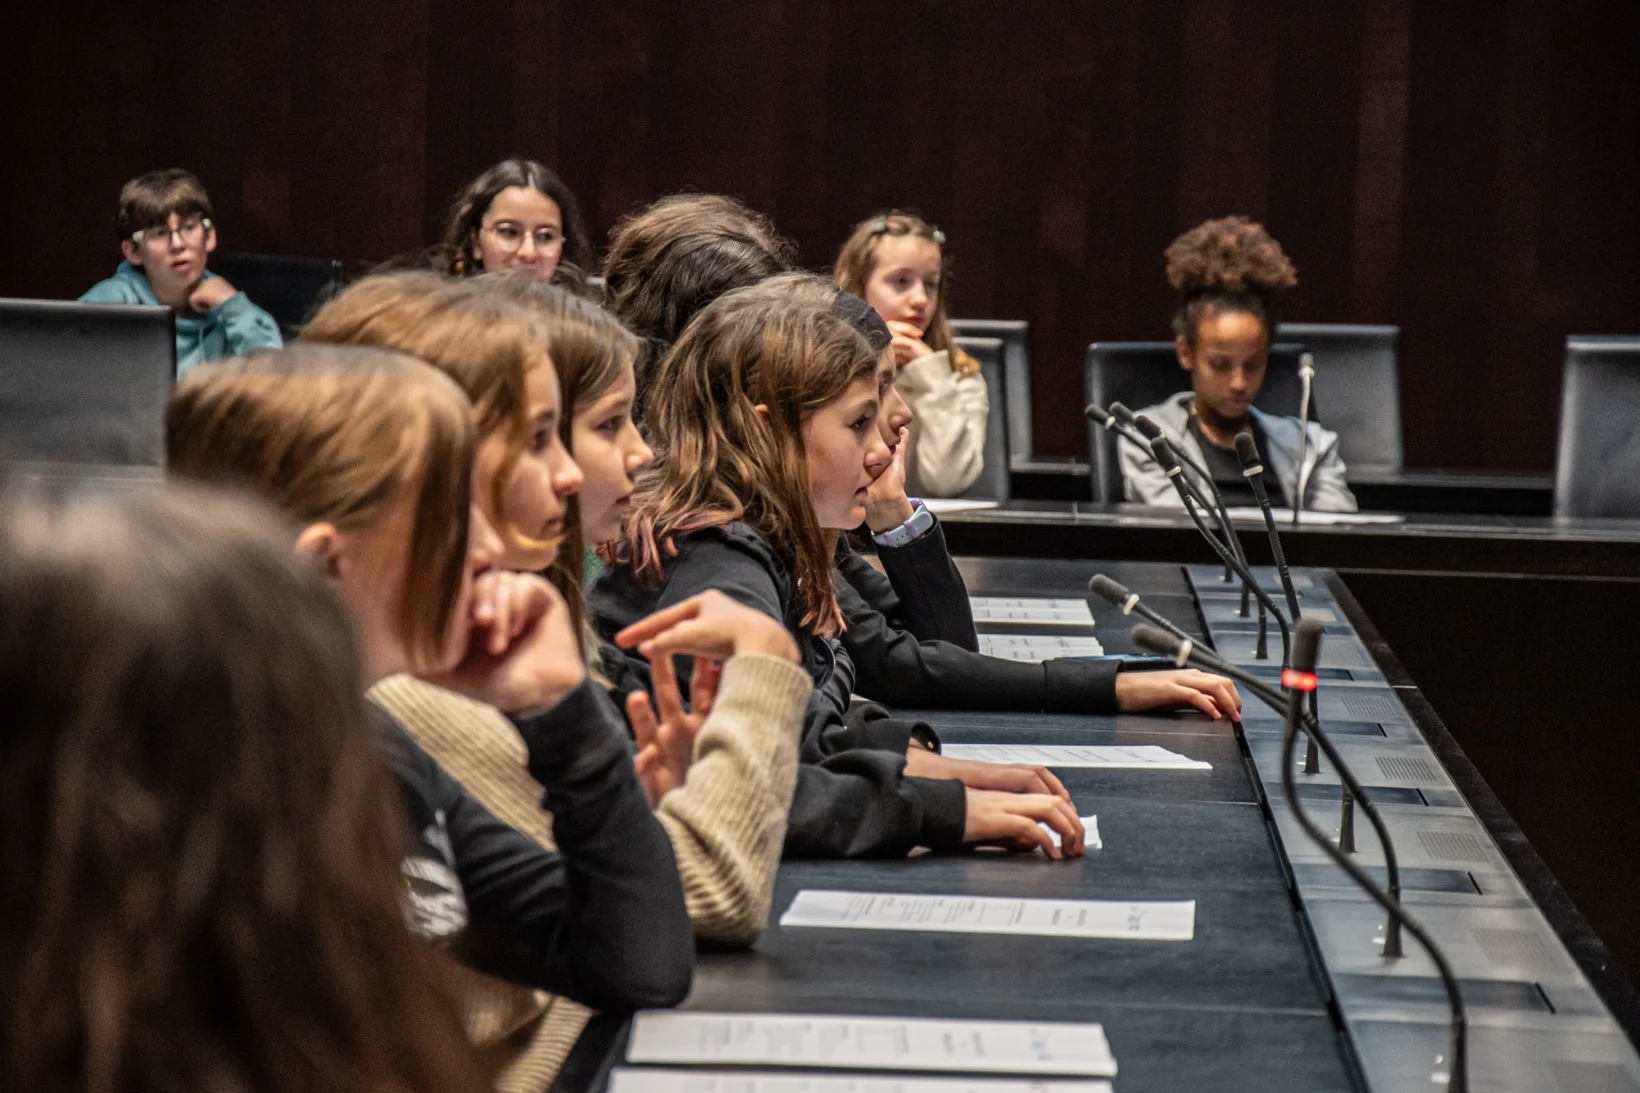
{"x": 764, "y": 420}
{"x": 371, "y": 453}
{"x": 521, "y": 349}
{"x": 201, "y": 845}
{"x": 898, "y": 263}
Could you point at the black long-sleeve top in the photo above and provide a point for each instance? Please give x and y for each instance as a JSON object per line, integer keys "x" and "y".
{"x": 910, "y": 635}
{"x": 601, "y": 920}
{"x": 853, "y": 798}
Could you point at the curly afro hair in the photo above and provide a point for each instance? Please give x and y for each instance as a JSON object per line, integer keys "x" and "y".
{"x": 1230, "y": 264}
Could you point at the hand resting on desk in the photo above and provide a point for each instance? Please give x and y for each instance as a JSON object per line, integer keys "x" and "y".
{"x": 1213, "y": 695}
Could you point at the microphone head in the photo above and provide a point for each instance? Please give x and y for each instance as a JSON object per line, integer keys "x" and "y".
{"x": 1247, "y": 450}
{"x": 1147, "y": 428}
{"x": 1108, "y": 590}
{"x": 1306, "y": 365}
{"x": 1306, "y": 644}
{"x": 1153, "y": 639}
{"x": 1123, "y": 414}
{"x": 1163, "y": 451}
{"x": 1098, "y": 414}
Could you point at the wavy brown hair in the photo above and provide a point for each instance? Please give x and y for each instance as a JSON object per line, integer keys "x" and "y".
{"x": 858, "y": 258}
{"x": 481, "y": 341}
{"x": 588, "y": 347}
{"x": 670, "y": 260}
{"x": 466, "y": 217}
{"x": 782, "y": 344}
{"x": 1230, "y": 264}
{"x": 199, "y": 842}
{"x": 342, "y": 434}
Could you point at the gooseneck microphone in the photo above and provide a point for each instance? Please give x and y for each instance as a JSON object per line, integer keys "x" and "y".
{"x": 1164, "y": 456}
{"x": 1188, "y": 651}
{"x": 1306, "y": 377}
{"x": 1118, "y": 595}
{"x": 1299, "y": 679}
{"x": 1252, "y": 469}
{"x": 1151, "y": 431}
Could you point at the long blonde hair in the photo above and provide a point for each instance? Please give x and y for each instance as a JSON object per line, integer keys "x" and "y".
{"x": 781, "y": 344}
{"x": 341, "y": 434}
{"x": 858, "y": 258}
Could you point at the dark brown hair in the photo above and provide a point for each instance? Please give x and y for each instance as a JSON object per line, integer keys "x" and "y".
{"x": 1231, "y": 264}
{"x": 149, "y": 200}
{"x": 466, "y": 216}
{"x": 485, "y": 344}
{"x": 781, "y": 343}
{"x": 199, "y": 843}
{"x": 342, "y": 434}
{"x": 858, "y": 258}
{"x": 670, "y": 260}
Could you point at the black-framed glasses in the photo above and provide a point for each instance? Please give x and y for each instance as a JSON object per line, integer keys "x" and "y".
{"x": 191, "y": 231}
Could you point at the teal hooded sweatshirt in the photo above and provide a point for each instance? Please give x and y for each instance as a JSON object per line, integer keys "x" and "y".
{"x": 237, "y": 327}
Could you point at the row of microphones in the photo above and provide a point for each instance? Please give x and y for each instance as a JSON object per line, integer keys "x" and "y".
{"x": 1298, "y": 683}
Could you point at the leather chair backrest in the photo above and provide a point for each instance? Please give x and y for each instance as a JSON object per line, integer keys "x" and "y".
{"x": 288, "y": 287}
{"x": 1597, "y": 469}
{"x": 1357, "y": 374}
{"x": 1140, "y": 374}
{"x": 1016, "y": 377}
{"x": 85, "y": 383}
{"x": 992, "y": 484}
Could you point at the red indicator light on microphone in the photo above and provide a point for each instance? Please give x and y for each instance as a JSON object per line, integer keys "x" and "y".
{"x": 1298, "y": 681}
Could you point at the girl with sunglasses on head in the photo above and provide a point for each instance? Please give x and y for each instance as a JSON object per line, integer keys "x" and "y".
{"x": 372, "y": 453}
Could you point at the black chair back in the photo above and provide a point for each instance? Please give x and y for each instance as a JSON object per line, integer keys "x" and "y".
{"x": 1357, "y": 374}
{"x": 288, "y": 287}
{"x": 1597, "y": 470}
{"x": 992, "y": 484}
{"x": 1016, "y": 377}
{"x": 85, "y": 383}
{"x": 1140, "y": 374}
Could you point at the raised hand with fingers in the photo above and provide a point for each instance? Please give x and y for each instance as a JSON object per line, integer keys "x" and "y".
{"x": 666, "y": 744}
{"x": 522, "y": 652}
{"x": 1012, "y": 821}
{"x": 1213, "y": 695}
{"x": 210, "y": 294}
{"x": 708, "y": 625}
{"x": 908, "y": 342}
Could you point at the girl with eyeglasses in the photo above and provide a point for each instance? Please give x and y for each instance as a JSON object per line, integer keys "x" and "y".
{"x": 518, "y": 215}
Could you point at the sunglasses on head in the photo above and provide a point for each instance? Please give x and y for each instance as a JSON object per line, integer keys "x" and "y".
{"x": 880, "y": 226}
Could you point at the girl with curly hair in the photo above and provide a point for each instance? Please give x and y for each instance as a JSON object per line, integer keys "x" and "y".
{"x": 1228, "y": 274}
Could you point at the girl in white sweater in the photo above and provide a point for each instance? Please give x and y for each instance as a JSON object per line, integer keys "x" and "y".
{"x": 897, "y": 263}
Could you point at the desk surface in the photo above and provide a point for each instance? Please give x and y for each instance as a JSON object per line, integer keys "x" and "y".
{"x": 1543, "y": 545}
{"x": 1281, "y": 987}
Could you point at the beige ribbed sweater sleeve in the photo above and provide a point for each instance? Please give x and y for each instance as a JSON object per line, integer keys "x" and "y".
{"x": 949, "y": 411}
{"x": 727, "y": 821}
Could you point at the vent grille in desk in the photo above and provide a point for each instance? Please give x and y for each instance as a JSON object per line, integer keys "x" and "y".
{"x": 1516, "y": 948}
{"x": 1320, "y": 614}
{"x": 1371, "y": 706}
{"x": 1406, "y": 768}
{"x": 1348, "y": 656}
{"x": 1578, "y": 1077}
{"x": 1453, "y": 846}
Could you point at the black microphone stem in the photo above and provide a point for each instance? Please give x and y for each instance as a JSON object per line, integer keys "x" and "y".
{"x": 1277, "y": 700}
{"x": 1458, "y": 1069}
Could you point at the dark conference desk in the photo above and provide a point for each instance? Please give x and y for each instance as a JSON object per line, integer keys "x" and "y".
{"x": 1282, "y": 987}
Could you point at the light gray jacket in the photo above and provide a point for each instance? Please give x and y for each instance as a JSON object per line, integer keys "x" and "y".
{"x": 1325, "y": 490}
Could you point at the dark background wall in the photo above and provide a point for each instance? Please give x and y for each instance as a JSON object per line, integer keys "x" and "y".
{"x": 1469, "y": 169}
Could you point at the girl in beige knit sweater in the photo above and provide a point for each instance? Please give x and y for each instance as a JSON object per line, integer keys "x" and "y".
{"x": 720, "y": 774}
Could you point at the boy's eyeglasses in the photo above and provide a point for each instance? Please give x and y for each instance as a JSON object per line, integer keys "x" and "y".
{"x": 509, "y": 238}
{"x": 191, "y": 231}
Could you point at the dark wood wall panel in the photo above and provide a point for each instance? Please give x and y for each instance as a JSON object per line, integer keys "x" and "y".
{"x": 1469, "y": 169}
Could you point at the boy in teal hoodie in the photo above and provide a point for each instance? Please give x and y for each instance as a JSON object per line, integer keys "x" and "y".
{"x": 165, "y": 232}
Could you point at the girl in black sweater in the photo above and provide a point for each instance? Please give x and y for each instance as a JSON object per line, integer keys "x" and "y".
{"x": 371, "y": 453}
{"x": 764, "y": 422}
